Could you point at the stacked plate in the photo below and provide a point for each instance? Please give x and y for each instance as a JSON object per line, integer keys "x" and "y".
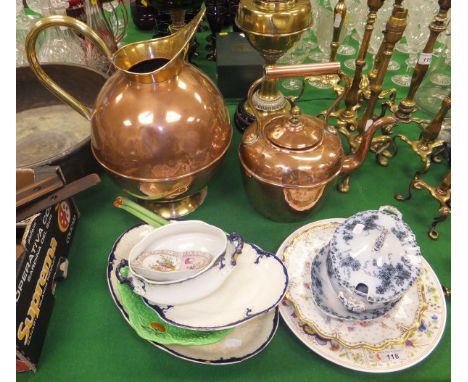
{"x": 364, "y": 335}
{"x": 227, "y": 299}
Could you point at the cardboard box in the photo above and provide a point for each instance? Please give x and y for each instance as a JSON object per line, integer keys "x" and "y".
{"x": 237, "y": 63}
{"x": 42, "y": 249}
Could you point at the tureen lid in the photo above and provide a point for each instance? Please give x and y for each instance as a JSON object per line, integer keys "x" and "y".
{"x": 374, "y": 254}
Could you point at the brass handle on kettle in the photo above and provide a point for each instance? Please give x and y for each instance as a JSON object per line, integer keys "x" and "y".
{"x": 304, "y": 70}
{"x": 52, "y": 86}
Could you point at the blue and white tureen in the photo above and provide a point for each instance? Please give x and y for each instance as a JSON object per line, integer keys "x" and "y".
{"x": 373, "y": 258}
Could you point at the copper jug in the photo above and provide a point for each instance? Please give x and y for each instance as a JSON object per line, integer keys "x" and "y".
{"x": 159, "y": 125}
{"x": 288, "y": 160}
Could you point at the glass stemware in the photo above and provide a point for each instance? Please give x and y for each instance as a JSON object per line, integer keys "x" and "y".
{"x": 436, "y": 84}
{"x": 324, "y": 30}
{"x": 311, "y": 34}
{"x": 60, "y": 44}
{"x": 95, "y": 19}
{"x": 296, "y": 55}
{"x": 353, "y": 7}
{"x": 23, "y": 24}
{"x": 216, "y": 13}
{"x": 358, "y": 19}
{"x": 115, "y": 13}
{"x": 323, "y": 16}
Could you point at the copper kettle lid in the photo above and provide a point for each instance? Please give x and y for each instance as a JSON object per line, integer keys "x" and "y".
{"x": 294, "y": 132}
{"x": 292, "y": 151}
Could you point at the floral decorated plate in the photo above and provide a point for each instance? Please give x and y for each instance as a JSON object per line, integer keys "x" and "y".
{"x": 241, "y": 297}
{"x": 344, "y": 347}
{"x": 299, "y": 252}
{"x": 394, "y": 358}
{"x": 244, "y": 342}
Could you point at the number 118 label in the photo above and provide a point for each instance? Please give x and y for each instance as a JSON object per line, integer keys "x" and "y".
{"x": 392, "y": 355}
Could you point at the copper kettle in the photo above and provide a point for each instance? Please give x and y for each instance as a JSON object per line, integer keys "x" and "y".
{"x": 288, "y": 160}
{"x": 159, "y": 125}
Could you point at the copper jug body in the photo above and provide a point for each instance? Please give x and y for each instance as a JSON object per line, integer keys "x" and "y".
{"x": 160, "y": 128}
{"x": 289, "y": 160}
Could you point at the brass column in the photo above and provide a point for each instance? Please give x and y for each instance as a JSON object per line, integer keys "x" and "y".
{"x": 352, "y": 98}
{"x": 407, "y": 106}
{"x": 394, "y": 30}
{"x": 272, "y": 28}
{"x": 378, "y": 57}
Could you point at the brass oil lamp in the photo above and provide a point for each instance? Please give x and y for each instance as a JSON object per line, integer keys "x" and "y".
{"x": 272, "y": 27}
{"x": 176, "y": 9}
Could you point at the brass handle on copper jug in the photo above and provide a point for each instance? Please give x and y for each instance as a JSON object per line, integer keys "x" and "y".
{"x": 51, "y": 85}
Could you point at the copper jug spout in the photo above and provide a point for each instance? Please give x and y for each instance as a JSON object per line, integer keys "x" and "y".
{"x": 353, "y": 161}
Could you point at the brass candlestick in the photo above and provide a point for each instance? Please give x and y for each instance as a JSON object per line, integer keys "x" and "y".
{"x": 347, "y": 116}
{"x": 394, "y": 29}
{"x": 427, "y": 143}
{"x": 272, "y": 27}
{"x": 407, "y": 106}
{"x": 441, "y": 193}
{"x": 378, "y": 57}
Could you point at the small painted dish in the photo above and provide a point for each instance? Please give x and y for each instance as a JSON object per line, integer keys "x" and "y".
{"x": 373, "y": 259}
{"x": 180, "y": 236}
{"x": 168, "y": 265}
{"x": 244, "y": 342}
{"x": 298, "y": 252}
{"x": 178, "y": 252}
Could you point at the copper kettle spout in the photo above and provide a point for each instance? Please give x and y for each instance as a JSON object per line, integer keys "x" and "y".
{"x": 353, "y": 161}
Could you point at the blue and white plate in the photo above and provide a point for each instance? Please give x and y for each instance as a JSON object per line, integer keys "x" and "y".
{"x": 244, "y": 342}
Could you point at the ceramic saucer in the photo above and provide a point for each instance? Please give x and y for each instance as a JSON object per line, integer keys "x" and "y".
{"x": 240, "y": 298}
{"x": 395, "y": 358}
{"x": 299, "y": 252}
{"x": 244, "y": 342}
